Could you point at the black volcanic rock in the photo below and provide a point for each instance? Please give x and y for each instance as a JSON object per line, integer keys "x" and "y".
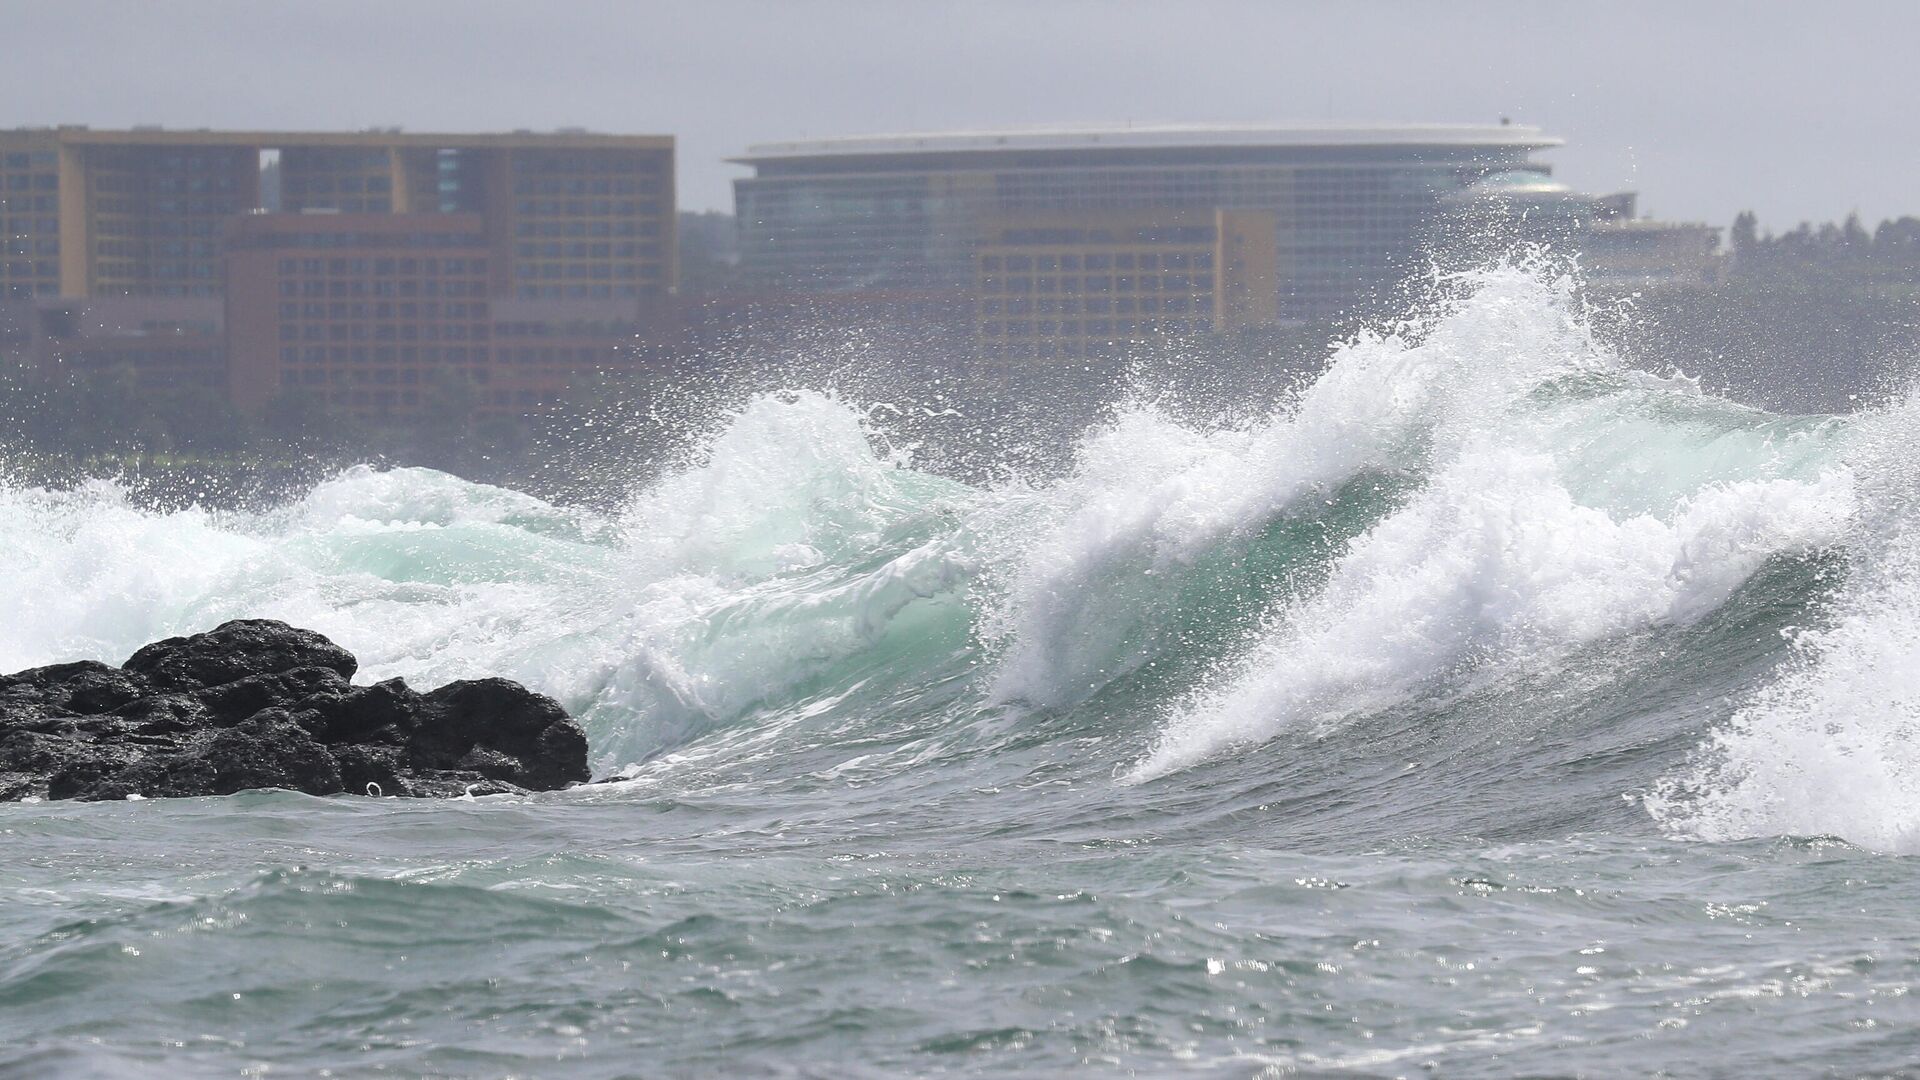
{"x": 233, "y": 651}
{"x": 260, "y": 704}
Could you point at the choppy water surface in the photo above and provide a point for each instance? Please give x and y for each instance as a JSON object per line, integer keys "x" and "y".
{"x": 1488, "y": 709}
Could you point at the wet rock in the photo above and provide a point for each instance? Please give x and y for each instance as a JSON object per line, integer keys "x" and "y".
{"x": 233, "y": 651}
{"x": 260, "y": 704}
{"x": 81, "y": 688}
{"x": 503, "y": 731}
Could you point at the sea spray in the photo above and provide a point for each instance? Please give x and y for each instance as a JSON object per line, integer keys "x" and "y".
{"x": 1483, "y": 484}
{"x": 1493, "y": 563}
{"x": 1831, "y": 746}
{"x": 789, "y": 543}
{"x": 1149, "y": 495}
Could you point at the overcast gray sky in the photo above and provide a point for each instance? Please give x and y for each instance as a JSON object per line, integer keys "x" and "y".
{"x": 1796, "y": 110}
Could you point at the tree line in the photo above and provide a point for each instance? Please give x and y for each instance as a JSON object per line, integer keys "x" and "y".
{"x": 1838, "y": 253}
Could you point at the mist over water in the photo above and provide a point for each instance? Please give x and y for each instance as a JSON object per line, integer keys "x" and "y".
{"x": 1485, "y": 706}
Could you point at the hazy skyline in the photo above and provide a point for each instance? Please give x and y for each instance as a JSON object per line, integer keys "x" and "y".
{"x": 1705, "y": 109}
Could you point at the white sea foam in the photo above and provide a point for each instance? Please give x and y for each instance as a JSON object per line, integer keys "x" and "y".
{"x": 1831, "y": 747}
{"x": 788, "y": 546}
{"x": 1149, "y": 495}
{"x": 1496, "y": 559}
{"x": 85, "y": 573}
{"x": 1493, "y": 562}
{"x": 1548, "y": 513}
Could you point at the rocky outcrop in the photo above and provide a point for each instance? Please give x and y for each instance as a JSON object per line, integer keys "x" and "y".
{"x": 260, "y": 704}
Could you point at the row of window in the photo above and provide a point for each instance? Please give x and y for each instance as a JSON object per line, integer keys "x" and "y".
{"x": 589, "y": 292}
{"x": 161, "y": 227}
{"x": 553, "y": 271}
{"x": 588, "y": 162}
{"x": 141, "y": 271}
{"x": 345, "y": 204}
{"x": 1124, "y": 305}
{"x": 595, "y": 329}
{"x": 337, "y": 331}
{"x": 382, "y": 354}
{"x": 157, "y": 207}
{"x": 37, "y": 159}
{"x": 362, "y": 240}
{"x": 164, "y": 249}
{"x": 1098, "y": 283}
{"x": 561, "y": 355}
{"x": 352, "y": 184}
{"x": 383, "y": 310}
{"x": 526, "y": 185}
{"x": 384, "y": 267}
{"x": 166, "y": 185}
{"x": 587, "y": 228}
{"x": 142, "y": 160}
{"x": 329, "y": 160}
{"x": 126, "y": 288}
{"x": 582, "y": 249}
{"x": 585, "y": 207}
{"x": 347, "y": 288}
{"x": 1173, "y": 260}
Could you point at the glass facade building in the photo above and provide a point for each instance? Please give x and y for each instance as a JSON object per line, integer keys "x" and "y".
{"x": 1350, "y": 206}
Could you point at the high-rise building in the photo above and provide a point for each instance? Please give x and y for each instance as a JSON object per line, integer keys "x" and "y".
{"x": 574, "y": 229}
{"x": 1350, "y": 206}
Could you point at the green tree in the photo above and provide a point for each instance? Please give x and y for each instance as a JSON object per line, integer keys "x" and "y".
{"x": 1745, "y": 234}
{"x": 1854, "y": 236}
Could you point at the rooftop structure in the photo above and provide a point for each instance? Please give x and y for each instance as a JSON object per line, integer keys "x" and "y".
{"x": 1151, "y": 137}
{"x": 1349, "y": 204}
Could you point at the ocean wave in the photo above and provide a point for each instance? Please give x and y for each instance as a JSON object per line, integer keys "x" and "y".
{"x": 1831, "y": 745}
{"x": 1484, "y": 488}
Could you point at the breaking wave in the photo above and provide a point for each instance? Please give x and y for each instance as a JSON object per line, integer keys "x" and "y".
{"x": 1453, "y": 507}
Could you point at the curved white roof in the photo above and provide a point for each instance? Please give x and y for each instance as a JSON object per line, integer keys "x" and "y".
{"x": 1157, "y": 136}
